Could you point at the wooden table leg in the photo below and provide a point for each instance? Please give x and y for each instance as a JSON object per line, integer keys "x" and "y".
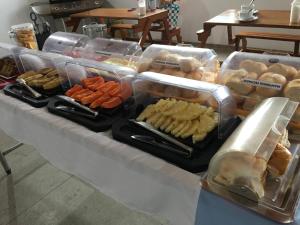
{"x": 145, "y": 33}
{"x": 167, "y": 31}
{"x": 76, "y": 22}
{"x": 231, "y": 40}
{"x": 204, "y": 34}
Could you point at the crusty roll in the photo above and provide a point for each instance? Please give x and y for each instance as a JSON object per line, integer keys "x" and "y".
{"x": 254, "y": 67}
{"x": 234, "y": 81}
{"x": 270, "y": 78}
{"x": 178, "y": 73}
{"x": 296, "y": 116}
{"x": 195, "y": 75}
{"x": 144, "y": 66}
{"x": 169, "y": 71}
{"x": 288, "y": 71}
{"x": 292, "y": 90}
{"x": 252, "y": 101}
{"x": 279, "y": 160}
{"x": 210, "y": 77}
{"x": 297, "y": 76}
{"x": 189, "y": 64}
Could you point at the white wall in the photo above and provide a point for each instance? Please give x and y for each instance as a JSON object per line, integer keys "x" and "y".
{"x": 195, "y": 12}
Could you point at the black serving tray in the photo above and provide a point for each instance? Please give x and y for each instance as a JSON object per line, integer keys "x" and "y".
{"x": 18, "y": 91}
{"x": 123, "y": 129}
{"x": 101, "y": 123}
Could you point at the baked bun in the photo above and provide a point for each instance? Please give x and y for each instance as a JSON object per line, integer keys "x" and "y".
{"x": 155, "y": 70}
{"x": 169, "y": 71}
{"x": 189, "y": 64}
{"x": 288, "y": 71}
{"x": 297, "y": 76}
{"x": 144, "y": 66}
{"x": 173, "y": 59}
{"x": 210, "y": 77}
{"x": 162, "y": 56}
{"x": 254, "y": 67}
{"x": 252, "y": 101}
{"x": 271, "y": 78}
{"x": 178, "y": 73}
{"x": 279, "y": 160}
{"x": 296, "y": 116}
{"x": 292, "y": 90}
{"x": 234, "y": 81}
{"x": 185, "y": 93}
{"x": 196, "y": 75}
{"x": 172, "y": 92}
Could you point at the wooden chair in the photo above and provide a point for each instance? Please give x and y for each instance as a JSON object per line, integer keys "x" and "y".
{"x": 268, "y": 36}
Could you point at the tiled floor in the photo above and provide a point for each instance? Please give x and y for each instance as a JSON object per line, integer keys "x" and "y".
{"x": 39, "y": 194}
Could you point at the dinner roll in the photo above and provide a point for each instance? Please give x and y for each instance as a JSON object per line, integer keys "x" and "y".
{"x": 169, "y": 71}
{"x": 296, "y": 116}
{"x": 271, "y": 78}
{"x": 179, "y": 73}
{"x": 252, "y": 66}
{"x": 297, "y": 76}
{"x": 234, "y": 81}
{"x": 155, "y": 70}
{"x": 209, "y": 77}
{"x": 189, "y": 64}
{"x": 252, "y": 101}
{"x": 288, "y": 71}
{"x": 292, "y": 90}
{"x": 195, "y": 75}
{"x": 144, "y": 65}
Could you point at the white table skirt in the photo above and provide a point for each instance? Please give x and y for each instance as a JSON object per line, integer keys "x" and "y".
{"x": 128, "y": 175}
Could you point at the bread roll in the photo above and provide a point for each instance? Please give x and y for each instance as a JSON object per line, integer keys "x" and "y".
{"x": 162, "y": 55}
{"x": 297, "y": 76}
{"x": 234, "y": 81}
{"x": 279, "y": 160}
{"x": 195, "y": 75}
{"x": 178, "y": 73}
{"x": 173, "y": 59}
{"x": 296, "y": 116}
{"x": 155, "y": 70}
{"x": 189, "y": 64}
{"x": 252, "y": 101}
{"x": 169, "y": 71}
{"x": 172, "y": 92}
{"x": 241, "y": 169}
{"x": 288, "y": 71}
{"x": 271, "y": 78}
{"x": 185, "y": 93}
{"x": 253, "y": 67}
{"x": 144, "y": 66}
{"x": 210, "y": 77}
{"x": 292, "y": 90}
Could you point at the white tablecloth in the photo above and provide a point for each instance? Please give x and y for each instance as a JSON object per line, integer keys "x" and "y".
{"x": 128, "y": 175}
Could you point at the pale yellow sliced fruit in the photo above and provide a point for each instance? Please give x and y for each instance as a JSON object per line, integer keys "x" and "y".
{"x": 172, "y": 126}
{"x": 178, "y": 107}
{"x": 190, "y": 131}
{"x": 146, "y": 113}
{"x": 153, "y": 118}
{"x": 180, "y": 126}
{"x": 166, "y": 123}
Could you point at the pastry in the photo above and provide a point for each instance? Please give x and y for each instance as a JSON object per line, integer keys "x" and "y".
{"x": 195, "y": 75}
{"x": 296, "y": 116}
{"x": 234, "y": 81}
{"x": 144, "y": 66}
{"x": 254, "y": 67}
{"x": 288, "y": 71}
{"x": 209, "y": 77}
{"x": 169, "y": 71}
{"x": 178, "y": 73}
{"x": 297, "y": 76}
{"x": 272, "y": 78}
{"x": 292, "y": 90}
{"x": 240, "y": 169}
{"x": 189, "y": 64}
{"x": 279, "y": 160}
{"x": 251, "y": 101}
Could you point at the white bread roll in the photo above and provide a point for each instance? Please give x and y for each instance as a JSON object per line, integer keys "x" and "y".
{"x": 279, "y": 160}
{"x": 296, "y": 116}
{"x": 210, "y": 77}
{"x": 189, "y": 64}
{"x": 234, "y": 81}
{"x": 254, "y": 67}
{"x": 169, "y": 71}
{"x": 195, "y": 75}
{"x": 292, "y": 90}
{"x": 144, "y": 65}
{"x": 178, "y": 73}
{"x": 288, "y": 71}
{"x": 252, "y": 101}
{"x": 271, "y": 78}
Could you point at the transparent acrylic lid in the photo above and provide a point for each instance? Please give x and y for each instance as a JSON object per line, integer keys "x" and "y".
{"x": 9, "y": 55}
{"x": 76, "y": 70}
{"x": 159, "y": 86}
{"x": 64, "y": 43}
{"x": 240, "y": 166}
{"x": 193, "y": 63}
{"x": 111, "y": 51}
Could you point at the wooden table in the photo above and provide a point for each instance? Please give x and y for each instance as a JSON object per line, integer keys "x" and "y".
{"x": 229, "y": 18}
{"x": 143, "y": 25}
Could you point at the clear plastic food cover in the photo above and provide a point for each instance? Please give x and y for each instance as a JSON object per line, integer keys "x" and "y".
{"x": 111, "y": 51}
{"x": 193, "y": 96}
{"x": 9, "y": 63}
{"x": 246, "y": 163}
{"x": 78, "y": 70}
{"x": 192, "y": 63}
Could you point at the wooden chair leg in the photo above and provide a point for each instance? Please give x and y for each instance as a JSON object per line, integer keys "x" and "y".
{"x": 179, "y": 37}
{"x": 296, "y": 48}
{"x": 237, "y": 43}
{"x": 244, "y": 44}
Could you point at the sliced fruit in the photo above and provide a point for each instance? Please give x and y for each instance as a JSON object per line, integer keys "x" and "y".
{"x": 112, "y": 103}
{"x": 82, "y": 95}
{"x": 116, "y": 91}
{"x": 74, "y": 89}
{"x": 95, "y": 85}
{"x": 98, "y": 102}
{"x": 78, "y": 92}
{"x": 91, "y": 80}
{"x": 90, "y": 98}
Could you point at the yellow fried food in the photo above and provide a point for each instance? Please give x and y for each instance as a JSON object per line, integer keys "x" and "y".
{"x": 181, "y": 119}
{"x": 34, "y": 77}
{"x": 27, "y": 74}
{"x": 45, "y": 71}
{"x": 53, "y": 83}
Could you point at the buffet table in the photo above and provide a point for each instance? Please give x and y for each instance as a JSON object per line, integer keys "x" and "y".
{"x": 128, "y": 175}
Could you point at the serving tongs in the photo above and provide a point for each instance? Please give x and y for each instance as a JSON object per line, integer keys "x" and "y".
{"x": 180, "y": 148}
{"x": 76, "y": 104}
{"x": 34, "y": 93}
